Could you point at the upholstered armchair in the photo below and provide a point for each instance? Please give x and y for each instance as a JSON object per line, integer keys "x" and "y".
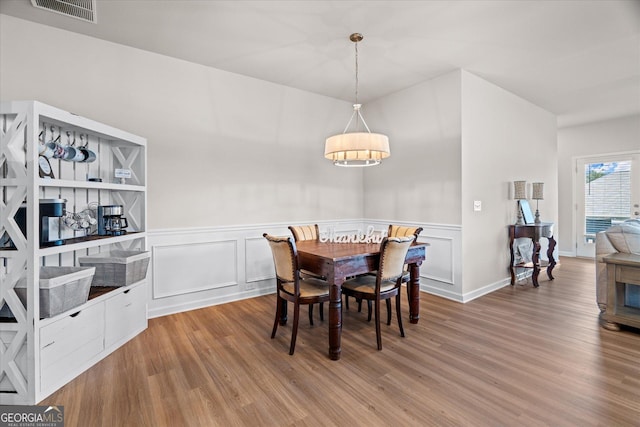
{"x": 625, "y": 238}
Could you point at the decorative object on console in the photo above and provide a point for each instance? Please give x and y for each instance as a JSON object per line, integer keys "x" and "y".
{"x": 519, "y": 193}
{"x": 355, "y": 149}
{"x": 538, "y": 190}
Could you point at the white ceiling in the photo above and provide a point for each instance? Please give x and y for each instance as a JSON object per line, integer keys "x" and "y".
{"x": 578, "y": 59}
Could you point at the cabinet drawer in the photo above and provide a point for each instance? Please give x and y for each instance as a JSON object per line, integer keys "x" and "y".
{"x": 126, "y": 315}
{"x": 69, "y": 342}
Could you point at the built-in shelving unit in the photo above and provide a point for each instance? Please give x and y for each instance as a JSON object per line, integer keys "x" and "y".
{"x": 41, "y": 355}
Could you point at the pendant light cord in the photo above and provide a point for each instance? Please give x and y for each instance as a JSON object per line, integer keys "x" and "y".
{"x": 356, "y": 72}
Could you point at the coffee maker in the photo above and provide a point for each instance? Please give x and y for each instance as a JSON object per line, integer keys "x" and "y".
{"x": 50, "y": 210}
{"x": 110, "y": 220}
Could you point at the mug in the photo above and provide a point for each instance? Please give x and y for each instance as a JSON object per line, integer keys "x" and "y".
{"x": 54, "y": 150}
{"x": 69, "y": 153}
{"x": 89, "y": 156}
{"x": 80, "y": 156}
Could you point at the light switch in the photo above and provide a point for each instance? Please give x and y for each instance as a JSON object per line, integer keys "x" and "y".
{"x": 477, "y": 205}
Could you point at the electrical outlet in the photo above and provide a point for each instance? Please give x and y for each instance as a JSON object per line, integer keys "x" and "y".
{"x": 477, "y": 205}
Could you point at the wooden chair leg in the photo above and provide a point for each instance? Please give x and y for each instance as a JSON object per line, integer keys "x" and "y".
{"x": 311, "y": 314}
{"x": 377, "y": 316}
{"x": 346, "y": 301}
{"x": 275, "y": 324}
{"x": 398, "y": 314}
{"x": 388, "y": 311}
{"x": 369, "y": 310}
{"x": 322, "y": 311}
{"x": 294, "y": 330}
{"x": 360, "y": 306}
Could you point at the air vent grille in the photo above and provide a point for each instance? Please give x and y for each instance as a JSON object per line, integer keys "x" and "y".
{"x": 80, "y": 9}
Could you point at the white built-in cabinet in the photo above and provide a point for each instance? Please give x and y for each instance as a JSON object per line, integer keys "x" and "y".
{"x": 38, "y": 356}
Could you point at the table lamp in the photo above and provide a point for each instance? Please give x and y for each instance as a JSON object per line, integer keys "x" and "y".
{"x": 538, "y": 190}
{"x": 519, "y": 193}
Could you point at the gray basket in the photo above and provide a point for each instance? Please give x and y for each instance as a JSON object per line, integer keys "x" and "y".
{"x": 61, "y": 289}
{"x": 118, "y": 267}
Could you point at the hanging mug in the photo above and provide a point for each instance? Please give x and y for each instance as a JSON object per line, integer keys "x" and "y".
{"x": 69, "y": 153}
{"x": 89, "y": 155}
{"x": 80, "y": 155}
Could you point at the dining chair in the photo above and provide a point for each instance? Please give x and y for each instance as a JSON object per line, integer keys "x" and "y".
{"x": 386, "y": 284}
{"x": 290, "y": 286}
{"x": 394, "y": 231}
{"x": 404, "y": 231}
{"x": 308, "y": 232}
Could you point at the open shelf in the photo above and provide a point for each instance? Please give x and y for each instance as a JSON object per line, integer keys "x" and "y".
{"x": 65, "y": 183}
{"x": 85, "y": 242}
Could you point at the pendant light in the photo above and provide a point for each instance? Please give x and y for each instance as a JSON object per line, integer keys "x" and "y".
{"x": 357, "y": 149}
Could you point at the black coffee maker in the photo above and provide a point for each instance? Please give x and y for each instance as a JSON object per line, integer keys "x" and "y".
{"x": 49, "y": 210}
{"x": 110, "y": 220}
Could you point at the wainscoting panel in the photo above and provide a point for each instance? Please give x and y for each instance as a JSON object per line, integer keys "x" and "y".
{"x": 439, "y": 263}
{"x": 258, "y": 260}
{"x": 184, "y": 268}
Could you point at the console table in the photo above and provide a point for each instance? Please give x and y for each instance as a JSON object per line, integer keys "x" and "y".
{"x": 534, "y": 232}
{"x": 622, "y": 270}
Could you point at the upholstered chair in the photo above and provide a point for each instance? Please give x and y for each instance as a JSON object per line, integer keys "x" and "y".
{"x": 403, "y": 231}
{"x": 301, "y": 233}
{"x": 394, "y": 231}
{"x": 386, "y": 284}
{"x": 624, "y": 238}
{"x": 290, "y": 286}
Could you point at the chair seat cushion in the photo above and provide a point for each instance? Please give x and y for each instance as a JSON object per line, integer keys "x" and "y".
{"x": 367, "y": 284}
{"x": 405, "y": 275}
{"x": 309, "y": 287}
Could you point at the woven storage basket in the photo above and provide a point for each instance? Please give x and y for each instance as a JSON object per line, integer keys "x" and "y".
{"x": 118, "y": 267}
{"x": 61, "y": 289}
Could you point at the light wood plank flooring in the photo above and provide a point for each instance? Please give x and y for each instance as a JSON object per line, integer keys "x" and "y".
{"x": 520, "y": 356}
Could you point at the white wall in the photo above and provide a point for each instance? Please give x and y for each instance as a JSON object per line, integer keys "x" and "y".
{"x": 223, "y": 149}
{"x": 421, "y": 180}
{"x": 504, "y": 138}
{"x": 607, "y": 137}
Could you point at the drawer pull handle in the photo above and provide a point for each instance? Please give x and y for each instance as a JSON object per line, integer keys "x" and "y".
{"x": 129, "y": 304}
{"x": 51, "y": 343}
{"x": 75, "y": 314}
{"x": 127, "y": 291}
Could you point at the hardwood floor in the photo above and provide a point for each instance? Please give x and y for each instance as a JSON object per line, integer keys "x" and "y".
{"x": 521, "y": 356}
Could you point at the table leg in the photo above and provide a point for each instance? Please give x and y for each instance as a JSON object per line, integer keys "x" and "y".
{"x": 414, "y": 292}
{"x": 335, "y": 319}
{"x": 512, "y": 268}
{"x": 536, "y": 263}
{"x": 552, "y": 261}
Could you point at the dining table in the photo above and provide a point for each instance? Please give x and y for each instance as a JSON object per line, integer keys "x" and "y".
{"x": 336, "y": 261}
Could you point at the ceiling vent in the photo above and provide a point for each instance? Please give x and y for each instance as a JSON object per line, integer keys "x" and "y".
{"x": 80, "y": 9}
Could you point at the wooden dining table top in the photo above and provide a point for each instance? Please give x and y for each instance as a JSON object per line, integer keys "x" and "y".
{"x": 340, "y": 251}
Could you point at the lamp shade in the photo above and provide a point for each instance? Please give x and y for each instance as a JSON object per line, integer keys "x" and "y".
{"x": 538, "y": 191}
{"x": 519, "y": 190}
{"x": 357, "y": 149}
